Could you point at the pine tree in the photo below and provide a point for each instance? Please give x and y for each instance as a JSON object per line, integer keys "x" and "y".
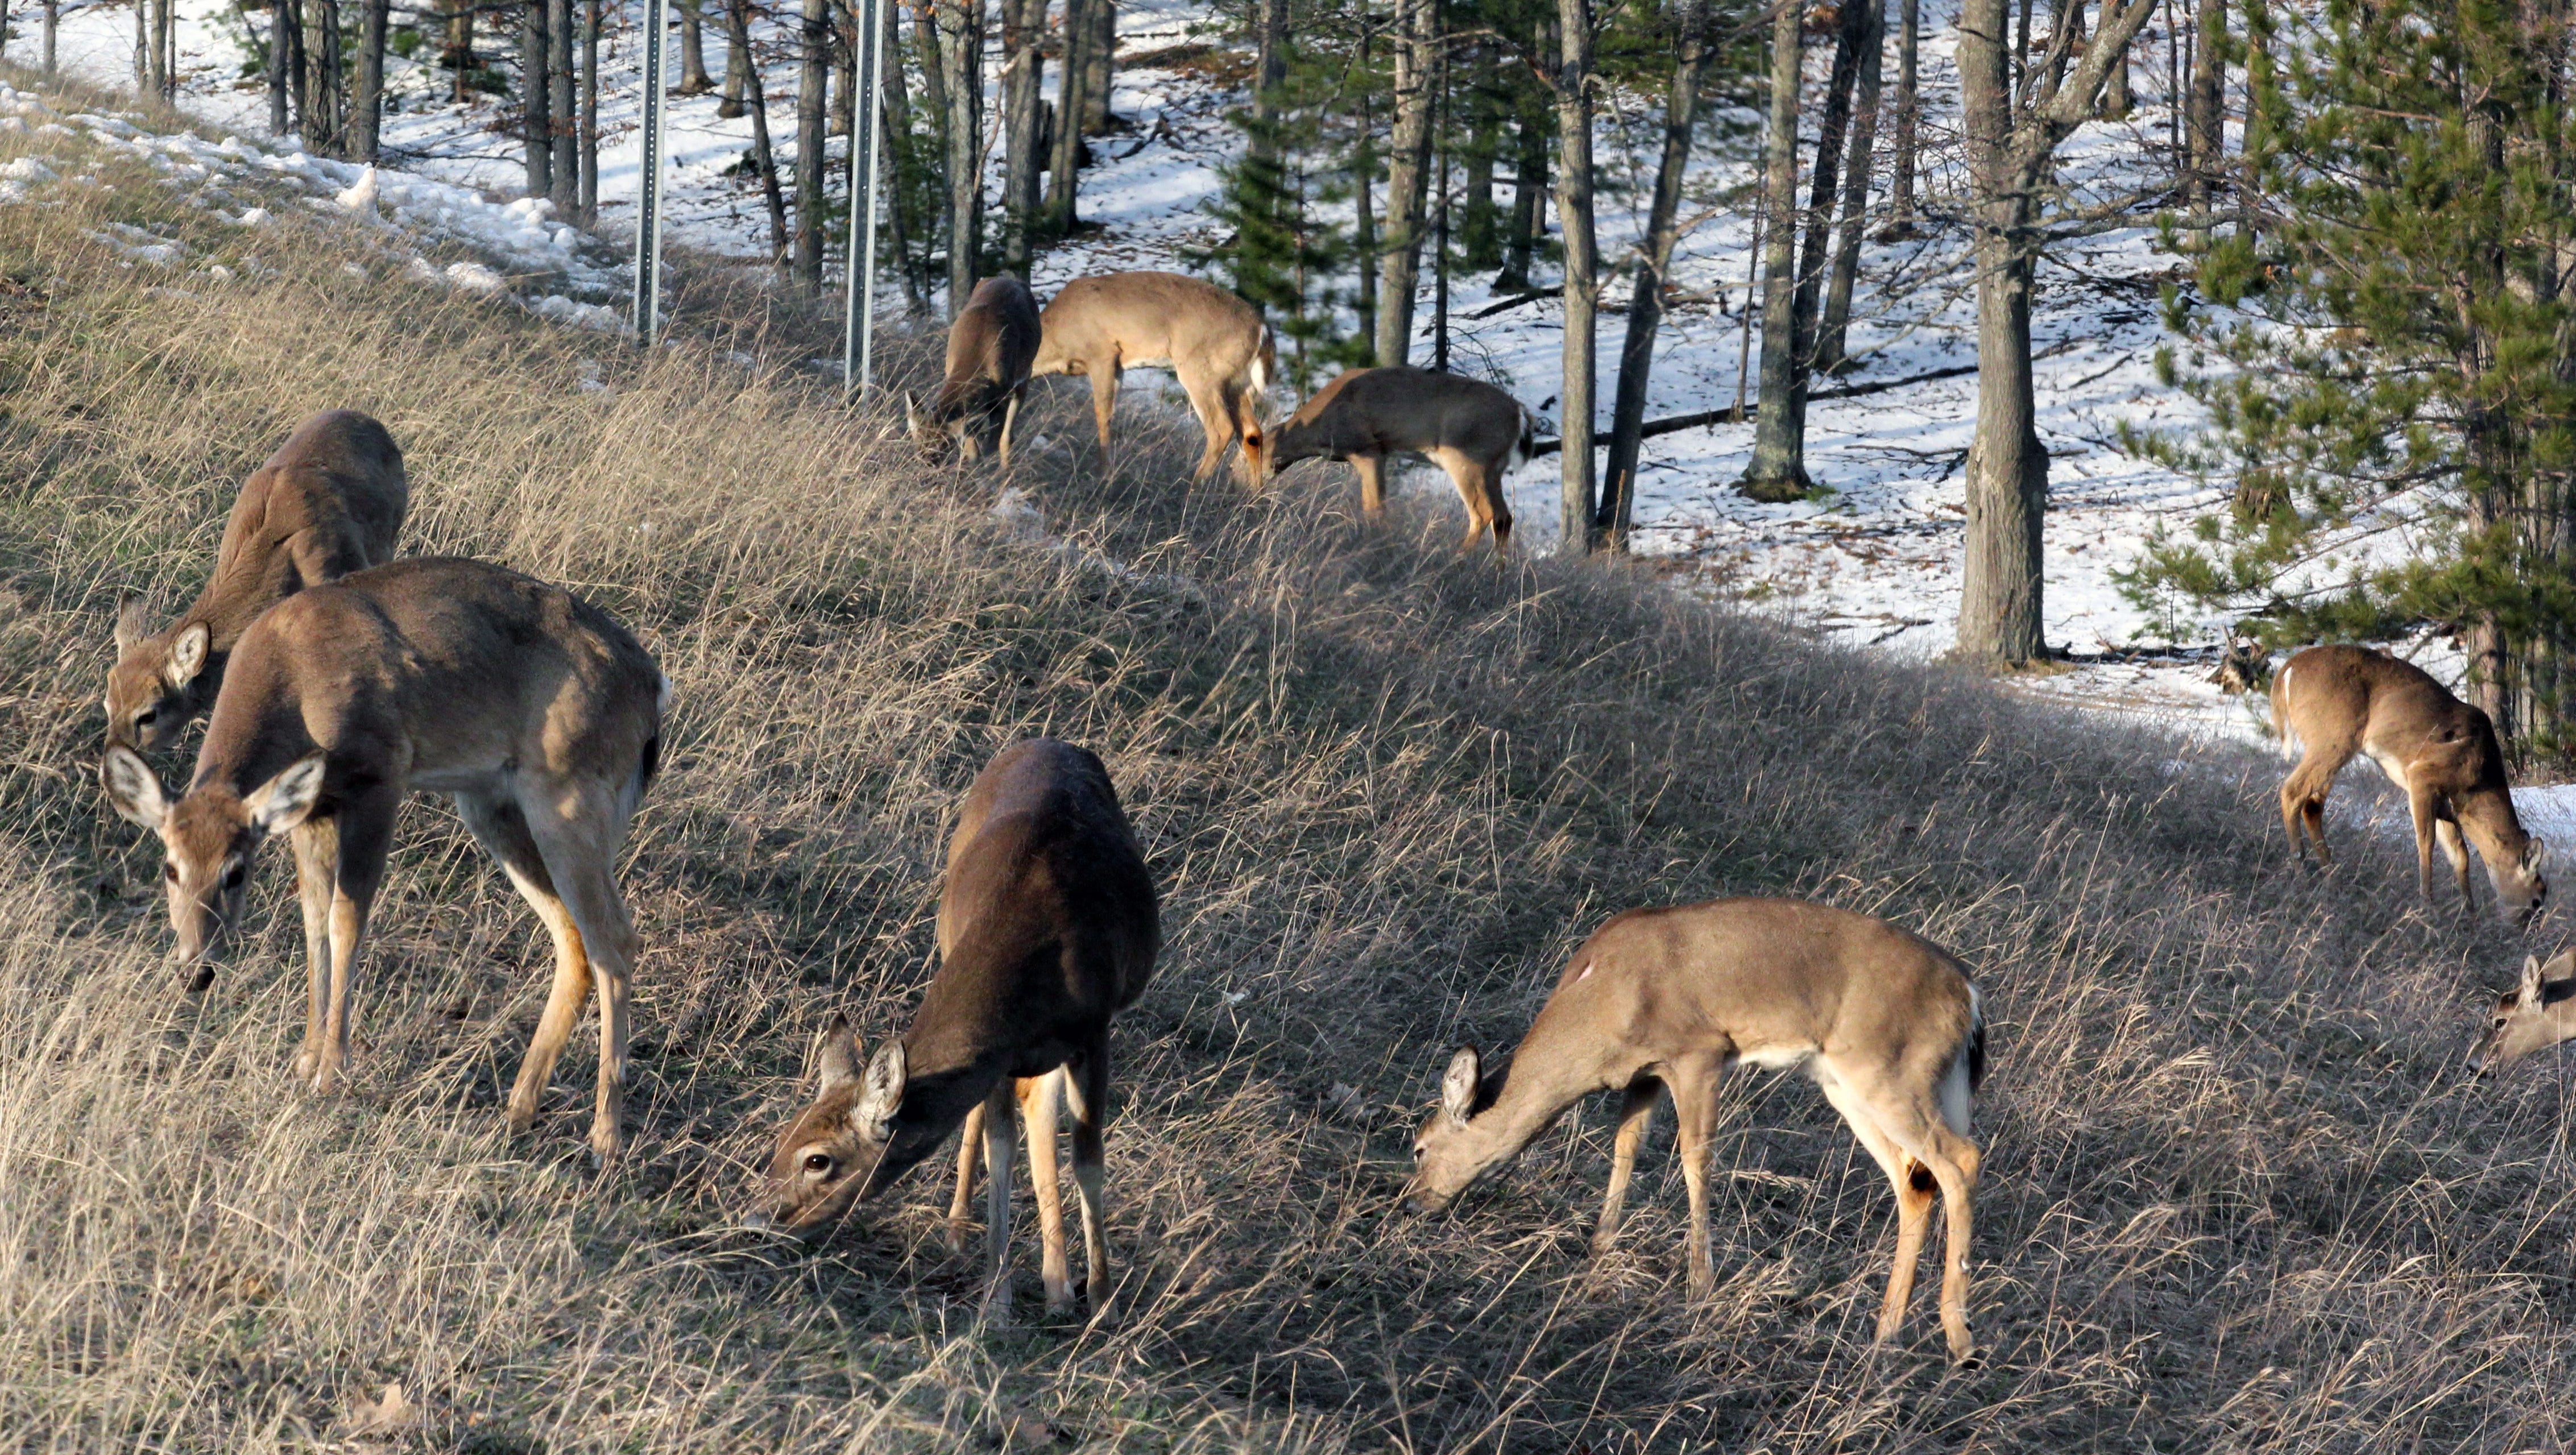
{"x": 2399, "y": 412}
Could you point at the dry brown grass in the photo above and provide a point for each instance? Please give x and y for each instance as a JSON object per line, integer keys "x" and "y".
{"x": 2236, "y": 1197}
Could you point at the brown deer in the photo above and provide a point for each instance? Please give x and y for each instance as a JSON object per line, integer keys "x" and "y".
{"x": 534, "y": 708}
{"x": 329, "y": 502}
{"x": 1215, "y": 342}
{"x": 2533, "y": 1016}
{"x": 1476, "y": 432}
{"x": 1048, "y": 927}
{"x": 1885, "y": 1022}
{"x": 989, "y": 348}
{"x": 2329, "y": 703}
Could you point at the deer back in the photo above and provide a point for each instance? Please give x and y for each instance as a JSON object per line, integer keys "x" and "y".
{"x": 990, "y": 347}
{"x": 1124, "y": 320}
{"x": 1398, "y": 409}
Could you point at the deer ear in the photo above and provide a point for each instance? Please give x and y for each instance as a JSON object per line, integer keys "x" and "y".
{"x": 132, "y": 790}
{"x": 2535, "y": 853}
{"x": 1459, "y": 1083}
{"x": 130, "y": 625}
{"x": 188, "y": 654}
{"x": 880, "y": 1094}
{"x": 287, "y": 799}
{"x": 838, "y": 1061}
{"x": 2530, "y": 993}
{"x": 911, "y": 414}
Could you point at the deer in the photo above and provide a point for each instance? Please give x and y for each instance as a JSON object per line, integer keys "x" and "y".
{"x": 1048, "y": 927}
{"x": 2533, "y": 1016}
{"x": 536, "y": 710}
{"x": 2331, "y": 702}
{"x": 1469, "y": 428}
{"x": 330, "y": 501}
{"x": 1213, "y": 341}
{"x": 1667, "y": 999}
{"x": 990, "y": 345}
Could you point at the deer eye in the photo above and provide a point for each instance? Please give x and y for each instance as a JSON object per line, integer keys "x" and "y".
{"x": 145, "y": 718}
{"x": 233, "y": 876}
{"x": 170, "y": 873}
{"x": 819, "y": 1163}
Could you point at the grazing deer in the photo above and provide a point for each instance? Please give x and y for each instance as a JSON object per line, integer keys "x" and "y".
{"x": 2535, "y": 1015}
{"x": 2332, "y": 702}
{"x": 534, "y": 708}
{"x": 1466, "y": 426}
{"x": 1215, "y": 342}
{"x": 989, "y": 349}
{"x": 329, "y": 502}
{"x": 1886, "y": 1023}
{"x": 1047, "y": 928}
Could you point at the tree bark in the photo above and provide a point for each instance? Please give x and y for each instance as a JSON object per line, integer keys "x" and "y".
{"x": 813, "y": 102}
{"x": 1408, "y": 178}
{"x": 1100, "y": 59}
{"x": 1023, "y": 76}
{"x": 1909, "y": 120}
{"x": 325, "y": 109}
{"x": 1529, "y": 193}
{"x": 1778, "y": 470}
{"x": 1833, "y": 334}
{"x": 1364, "y": 199}
{"x": 563, "y": 106}
{"x": 2206, "y": 115}
{"x": 738, "y": 66}
{"x": 895, "y": 100}
{"x": 1582, "y": 269}
{"x": 366, "y": 112}
{"x": 284, "y": 71}
{"x": 1646, "y": 308}
{"x": 1064, "y": 166}
{"x": 961, "y": 56}
{"x": 764, "y": 157}
{"x": 694, "y": 80}
{"x": 536, "y": 125}
{"x": 590, "y": 31}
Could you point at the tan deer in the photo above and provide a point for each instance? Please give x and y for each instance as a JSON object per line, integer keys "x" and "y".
{"x": 1476, "y": 432}
{"x": 1213, "y": 341}
{"x": 534, "y": 708}
{"x": 1659, "y": 999}
{"x": 2329, "y": 703}
{"x": 2533, "y": 1016}
{"x": 329, "y": 502}
{"x": 989, "y": 348}
{"x": 1048, "y": 927}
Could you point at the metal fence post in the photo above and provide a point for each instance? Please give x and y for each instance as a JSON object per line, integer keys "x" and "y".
{"x": 867, "y": 166}
{"x": 653, "y": 149}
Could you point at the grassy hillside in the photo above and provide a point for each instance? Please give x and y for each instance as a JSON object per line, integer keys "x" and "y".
{"x": 2236, "y": 1195}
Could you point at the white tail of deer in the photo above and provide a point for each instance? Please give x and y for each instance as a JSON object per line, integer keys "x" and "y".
{"x": 534, "y": 708}
{"x": 1474, "y": 431}
{"x": 329, "y": 502}
{"x": 1668, "y": 999}
{"x": 990, "y": 346}
{"x": 1213, "y": 341}
{"x": 2329, "y": 703}
{"x": 2533, "y": 1016}
{"x": 1047, "y": 928}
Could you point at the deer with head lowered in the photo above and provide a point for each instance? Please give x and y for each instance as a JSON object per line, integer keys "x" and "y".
{"x": 1469, "y": 428}
{"x": 535, "y": 709}
{"x": 329, "y": 502}
{"x": 2329, "y": 703}
{"x": 1214, "y": 342}
{"x": 1669, "y": 999}
{"x": 1048, "y": 927}
{"x": 2533, "y": 1016}
{"x": 989, "y": 348}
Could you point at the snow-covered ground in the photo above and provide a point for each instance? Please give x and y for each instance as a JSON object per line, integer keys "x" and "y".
{"x": 1874, "y": 561}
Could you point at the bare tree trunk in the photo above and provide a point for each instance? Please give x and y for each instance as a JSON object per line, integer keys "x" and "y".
{"x": 961, "y": 56}
{"x": 1064, "y": 166}
{"x": 845, "y": 75}
{"x": 1646, "y": 308}
{"x": 1364, "y": 198}
{"x": 53, "y": 27}
{"x": 1909, "y": 119}
{"x": 1582, "y": 270}
{"x": 895, "y": 100}
{"x": 366, "y": 112}
{"x": 147, "y": 49}
{"x": 1100, "y": 58}
{"x": 1529, "y": 193}
{"x": 1834, "y": 333}
{"x": 1833, "y": 132}
{"x": 694, "y": 80}
{"x": 283, "y": 70}
{"x": 1408, "y": 177}
{"x": 1023, "y": 75}
{"x": 563, "y": 107}
{"x": 2207, "y": 116}
{"x": 592, "y": 19}
{"x": 738, "y": 67}
{"x": 764, "y": 157}
{"x": 1778, "y": 470}
{"x": 813, "y": 103}
{"x": 2118, "y": 97}
{"x": 537, "y": 126}
{"x": 325, "y": 106}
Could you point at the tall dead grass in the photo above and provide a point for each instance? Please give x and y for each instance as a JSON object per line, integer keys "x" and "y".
{"x": 2236, "y": 1195}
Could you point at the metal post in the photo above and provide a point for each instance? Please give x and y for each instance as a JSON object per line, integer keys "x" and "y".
{"x": 653, "y": 148}
{"x": 859, "y": 326}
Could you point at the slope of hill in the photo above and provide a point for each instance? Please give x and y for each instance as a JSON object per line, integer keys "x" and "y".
{"x": 2237, "y": 1196}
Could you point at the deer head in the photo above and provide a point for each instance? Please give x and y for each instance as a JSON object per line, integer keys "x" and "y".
{"x": 1448, "y": 1153}
{"x": 2538, "y": 1013}
{"x": 829, "y": 1155}
{"x": 151, "y": 690}
{"x": 208, "y": 839}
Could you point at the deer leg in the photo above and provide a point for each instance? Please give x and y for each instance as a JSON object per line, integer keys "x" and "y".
{"x": 1086, "y": 1089}
{"x": 1039, "y": 1096}
{"x": 1010, "y": 416}
{"x": 1104, "y": 403}
{"x": 969, "y": 1139}
{"x": 1248, "y": 432}
{"x": 1372, "y": 473}
{"x": 1694, "y": 1086}
{"x": 1915, "y": 1189}
{"x": 366, "y": 831}
{"x": 1952, "y": 1160}
{"x": 1636, "y": 1111}
{"x": 502, "y": 829}
{"x": 580, "y": 841}
{"x": 317, "y": 859}
{"x": 1216, "y": 420}
{"x": 998, "y": 1132}
{"x": 2446, "y": 831}
{"x": 1498, "y": 508}
{"x": 1462, "y": 474}
{"x": 2426, "y": 812}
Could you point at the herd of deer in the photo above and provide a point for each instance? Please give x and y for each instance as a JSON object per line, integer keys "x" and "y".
{"x": 338, "y": 678}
